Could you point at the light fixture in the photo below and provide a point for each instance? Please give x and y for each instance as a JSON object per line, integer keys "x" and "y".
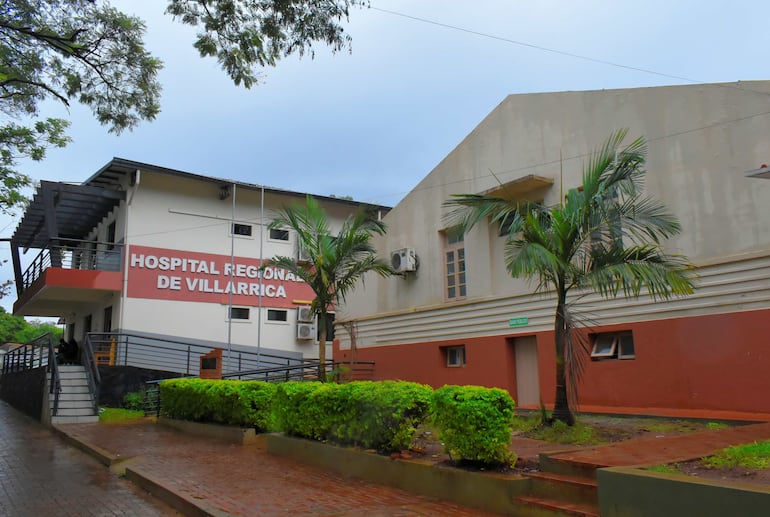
{"x": 763, "y": 172}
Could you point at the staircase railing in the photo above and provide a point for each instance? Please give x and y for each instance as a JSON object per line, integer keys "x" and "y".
{"x": 54, "y": 386}
{"x": 92, "y": 371}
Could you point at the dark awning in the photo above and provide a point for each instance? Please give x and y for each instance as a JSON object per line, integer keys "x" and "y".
{"x": 64, "y": 211}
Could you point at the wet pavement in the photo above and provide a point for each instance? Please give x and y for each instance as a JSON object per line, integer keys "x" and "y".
{"x": 41, "y": 475}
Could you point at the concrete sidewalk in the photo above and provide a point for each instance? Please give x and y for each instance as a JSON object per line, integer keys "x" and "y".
{"x": 208, "y": 477}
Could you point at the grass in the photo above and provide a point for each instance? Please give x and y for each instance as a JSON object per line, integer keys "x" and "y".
{"x": 663, "y": 469}
{"x": 558, "y": 432}
{"x": 109, "y": 414}
{"x": 751, "y": 456}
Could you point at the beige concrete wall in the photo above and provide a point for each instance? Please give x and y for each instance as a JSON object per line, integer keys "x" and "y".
{"x": 701, "y": 140}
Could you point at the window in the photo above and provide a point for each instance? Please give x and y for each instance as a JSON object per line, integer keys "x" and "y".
{"x": 239, "y": 313}
{"x": 454, "y": 253}
{"x": 242, "y": 229}
{"x": 278, "y": 234}
{"x": 277, "y": 315}
{"x": 455, "y": 356}
{"x": 613, "y": 345}
{"x": 111, "y": 236}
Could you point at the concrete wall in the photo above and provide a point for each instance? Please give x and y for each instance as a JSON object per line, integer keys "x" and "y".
{"x": 636, "y": 493}
{"x": 704, "y": 351}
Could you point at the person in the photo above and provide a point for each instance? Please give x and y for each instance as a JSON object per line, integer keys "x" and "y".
{"x": 61, "y": 352}
{"x": 71, "y": 355}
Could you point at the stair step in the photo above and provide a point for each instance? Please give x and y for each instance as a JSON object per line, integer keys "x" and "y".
{"x": 555, "y": 465}
{"x": 66, "y": 376}
{"x": 64, "y": 397}
{"x": 89, "y": 411}
{"x": 553, "y": 507}
{"x": 75, "y": 404}
{"x": 89, "y": 419}
{"x": 72, "y": 390}
{"x": 576, "y": 489}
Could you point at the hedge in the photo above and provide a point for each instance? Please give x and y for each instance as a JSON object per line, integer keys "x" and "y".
{"x": 474, "y": 422}
{"x": 374, "y": 415}
{"x": 243, "y": 403}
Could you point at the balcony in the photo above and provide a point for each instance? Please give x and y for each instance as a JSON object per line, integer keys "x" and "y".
{"x": 62, "y": 276}
{"x": 67, "y": 269}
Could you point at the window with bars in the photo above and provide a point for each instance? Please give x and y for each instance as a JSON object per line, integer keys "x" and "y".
{"x": 454, "y": 256}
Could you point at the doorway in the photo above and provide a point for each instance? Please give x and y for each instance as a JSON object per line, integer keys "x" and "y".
{"x": 527, "y": 378}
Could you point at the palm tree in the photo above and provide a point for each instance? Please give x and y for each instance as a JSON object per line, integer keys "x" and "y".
{"x": 335, "y": 262}
{"x": 604, "y": 237}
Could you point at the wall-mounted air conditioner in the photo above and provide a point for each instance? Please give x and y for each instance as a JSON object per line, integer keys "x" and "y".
{"x": 302, "y": 254}
{"x": 404, "y": 260}
{"x": 305, "y": 314}
{"x": 306, "y": 331}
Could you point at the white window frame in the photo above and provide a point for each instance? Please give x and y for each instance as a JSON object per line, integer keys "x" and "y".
{"x": 276, "y": 322}
{"x": 270, "y": 238}
{"x": 600, "y": 349}
{"x": 228, "y": 314}
{"x": 456, "y": 245}
{"x": 238, "y": 235}
{"x": 455, "y": 356}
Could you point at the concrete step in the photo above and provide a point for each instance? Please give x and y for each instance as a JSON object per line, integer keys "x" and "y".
{"x": 73, "y": 389}
{"x": 560, "y": 487}
{"x": 554, "y": 465}
{"x": 543, "y": 507}
{"x": 76, "y": 404}
{"x": 66, "y": 376}
{"x": 89, "y": 419}
{"x": 82, "y": 395}
{"x": 88, "y": 411}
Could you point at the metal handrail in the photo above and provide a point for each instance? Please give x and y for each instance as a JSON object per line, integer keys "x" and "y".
{"x": 92, "y": 371}
{"x": 54, "y": 386}
{"x": 74, "y": 254}
{"x": 127, "y": 349}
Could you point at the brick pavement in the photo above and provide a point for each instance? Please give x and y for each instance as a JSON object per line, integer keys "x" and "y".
{"x": 40, "y": 475}
{"x": 669, "y": 449}
{"x": 226, "y": 479}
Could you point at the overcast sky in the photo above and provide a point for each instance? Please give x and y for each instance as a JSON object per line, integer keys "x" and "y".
{"x": 372, "y": 123}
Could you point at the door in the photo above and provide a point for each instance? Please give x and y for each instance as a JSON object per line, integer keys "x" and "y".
{"x": 527, "y": 379}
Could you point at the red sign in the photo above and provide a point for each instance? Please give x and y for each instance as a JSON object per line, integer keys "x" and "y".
{"x": 164, "y": 274}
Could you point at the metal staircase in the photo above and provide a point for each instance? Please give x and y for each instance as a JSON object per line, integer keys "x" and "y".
{"x": 76, "y": 402}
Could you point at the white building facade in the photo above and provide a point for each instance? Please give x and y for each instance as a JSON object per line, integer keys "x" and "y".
{"x": 143, "y": 250}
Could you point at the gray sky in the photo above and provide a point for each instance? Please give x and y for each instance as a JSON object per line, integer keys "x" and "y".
{"x": 373, "y": 123}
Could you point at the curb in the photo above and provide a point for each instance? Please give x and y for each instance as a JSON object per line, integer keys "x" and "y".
{"x": 103, "y": 456}
{"x": 186, "y": 504}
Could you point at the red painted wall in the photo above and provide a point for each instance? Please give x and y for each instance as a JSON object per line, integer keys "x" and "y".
{"x": 718, "y": 362}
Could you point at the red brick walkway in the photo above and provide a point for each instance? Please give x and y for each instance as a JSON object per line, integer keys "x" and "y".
{"x": 224, "y": 479}
{"x": 669, "y": 449}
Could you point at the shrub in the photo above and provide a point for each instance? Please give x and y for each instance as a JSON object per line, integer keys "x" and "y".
{"x": 474, "y": 422}
{"x": 134, "y": 401}
{"x": 373, "y": 415}
{"x": 294, "y": 411}
{"x": 244, "y": 403}
{"x": 380, "y": 415}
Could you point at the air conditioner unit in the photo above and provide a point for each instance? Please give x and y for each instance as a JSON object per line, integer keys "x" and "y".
{"x": 403, "y": 260}
{"x": 305, "y": 314}
{"x": 306, "y": 331}
{"x": 302, "y": 254}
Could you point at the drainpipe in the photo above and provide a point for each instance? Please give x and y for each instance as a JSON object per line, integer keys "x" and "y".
{"x": 232, "y": 271}
{"x": 261, "y": 258}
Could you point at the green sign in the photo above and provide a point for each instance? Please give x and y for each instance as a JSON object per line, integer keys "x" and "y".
{"x": 518, "y": 322}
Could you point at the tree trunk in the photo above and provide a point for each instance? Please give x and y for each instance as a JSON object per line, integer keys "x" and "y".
{"x": 561, "y": 409}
